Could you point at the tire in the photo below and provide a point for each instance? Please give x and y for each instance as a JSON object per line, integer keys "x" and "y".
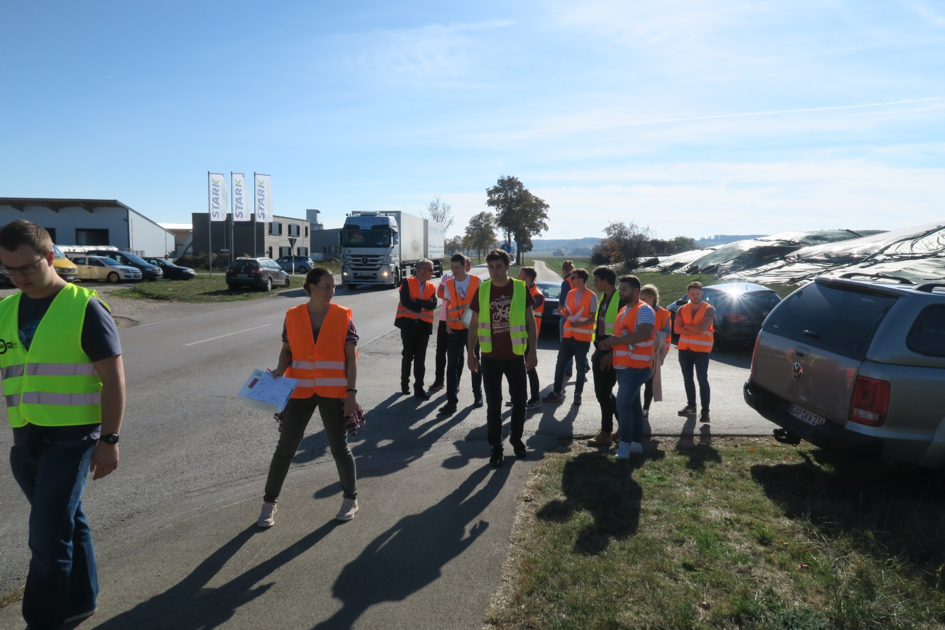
{"x": 302, "y": 269}
{"x": 269, "y": 284}
{"x": 351, "y": 287}
{"x": 112, "y": 277}
{"x": 288, "y": 282}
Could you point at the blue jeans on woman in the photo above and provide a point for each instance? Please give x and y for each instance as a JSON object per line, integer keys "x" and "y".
{"x": 629, "y": 406}
{"x": 51, "y": 467}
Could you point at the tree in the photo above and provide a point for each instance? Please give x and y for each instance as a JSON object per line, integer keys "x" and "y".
{"x": 439, "y": 211}
{"x": 454, "y": 245}
{"x": 625, "y": 245}
{"x": 519, "y": 213}
{"x": 480, "y": 233}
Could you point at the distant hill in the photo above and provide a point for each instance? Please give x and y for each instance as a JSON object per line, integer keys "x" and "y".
{"x": 722, "y": 239}
{"x": 569, "y": 246}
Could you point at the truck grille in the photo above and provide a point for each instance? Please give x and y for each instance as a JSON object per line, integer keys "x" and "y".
{"x": 365, "y": 263}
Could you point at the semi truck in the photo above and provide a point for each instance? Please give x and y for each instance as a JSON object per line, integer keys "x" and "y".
{"x": 381, "y": 248}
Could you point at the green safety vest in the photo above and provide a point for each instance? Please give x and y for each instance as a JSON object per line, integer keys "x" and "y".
{"x": 54, "y": 384}
{"x": 517, "y": 326}
{"x": 610, "y": 317}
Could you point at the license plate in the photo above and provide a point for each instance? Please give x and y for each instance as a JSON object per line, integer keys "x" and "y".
{"x": 805, "y": 416}
{"x": 242, "y": 275}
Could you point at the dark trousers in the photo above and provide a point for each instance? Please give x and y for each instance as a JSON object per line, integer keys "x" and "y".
{"x": 297, "y": 415}
{"x": 492, "y": 372}
{"x": 63, "y": 579}
{"x": 648, "y": 392}
{"x": 455, "y": 358}
{"x": 604, "y": 383}
{"x": 690, "y": 360}
{"x": 533, "y": 377}
{"x": 415, "y": 338}
{"x": 572, "y": 350}
{"x": 442, "y": 346}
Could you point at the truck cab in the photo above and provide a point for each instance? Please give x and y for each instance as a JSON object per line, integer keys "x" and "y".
{"x": 370, "y": 250}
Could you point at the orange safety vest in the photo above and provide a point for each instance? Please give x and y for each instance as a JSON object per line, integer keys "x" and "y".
{"x": 537, "y": 311}
{"x": 585, "y": 332}
{"x": 662, "y": 316}
{"x": 458, "y": 305}
{"x": 425, "y": 315}
{"x": 319, "y": 365}
{"x": 639, "y": 355}
{"x": 696, "y": 343}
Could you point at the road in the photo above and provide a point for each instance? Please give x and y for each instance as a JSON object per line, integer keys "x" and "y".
{"x": 189, "y": 447}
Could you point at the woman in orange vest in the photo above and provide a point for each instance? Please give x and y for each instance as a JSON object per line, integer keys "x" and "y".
{"x": 567, "y": 268}
{"x": 695, "y": 325}
{"x": 319, "y": 348}
{"x": 653, "y": 390}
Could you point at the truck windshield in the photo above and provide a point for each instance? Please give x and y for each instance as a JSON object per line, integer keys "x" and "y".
{"x": 354, "y": 236}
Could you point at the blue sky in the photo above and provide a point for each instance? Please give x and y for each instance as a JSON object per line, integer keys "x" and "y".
{"x": 692, "y": 118}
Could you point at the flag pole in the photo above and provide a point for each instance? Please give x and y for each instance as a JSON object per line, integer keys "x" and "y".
{"x": 255, "y": 210}
{"x": 232, "y": 219}
{"x": 209, "y": 228}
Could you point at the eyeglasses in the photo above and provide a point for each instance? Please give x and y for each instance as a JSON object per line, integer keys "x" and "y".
{"x": 28, "y": 270}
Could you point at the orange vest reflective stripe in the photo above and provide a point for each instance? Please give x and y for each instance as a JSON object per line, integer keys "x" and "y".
{"x": 663, "y": 316}
{"x": 425, "y": 315}
{"x": 318, "y": 365}
{"x": 586, "y": 331}
{"x": 639, "y": 355}
{"x": 696, "y": 343}
{"x": 458, "y": 305}
{"x": 537, "y": 311}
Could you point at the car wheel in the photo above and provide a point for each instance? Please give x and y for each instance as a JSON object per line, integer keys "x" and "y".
{"x": 113, "y": 277}
{"x": 268, "y": 284}
{"x": 302, "y": 269}
{"x": 288, "y": 282}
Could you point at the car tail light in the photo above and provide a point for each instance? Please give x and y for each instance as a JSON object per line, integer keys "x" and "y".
{"x": 229, "y": 270}
{"x": 736, "y": 317}
{"x": 255, "y": 272}
{"x": 870, "y": 401}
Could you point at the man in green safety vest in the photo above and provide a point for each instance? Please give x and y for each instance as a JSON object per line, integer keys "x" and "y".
{"x": 502, "y": 316}
{"x": 64, "y": 385}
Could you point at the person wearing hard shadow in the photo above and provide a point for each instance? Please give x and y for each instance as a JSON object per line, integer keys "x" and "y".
{"x": 319, "y": 348}
{"x": 414, "y": 318}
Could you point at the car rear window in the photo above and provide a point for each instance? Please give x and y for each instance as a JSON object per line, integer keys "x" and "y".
{"x": 833, "y": 319}
{"x": 927, "y": 335}
{"x": 245, "y": 266}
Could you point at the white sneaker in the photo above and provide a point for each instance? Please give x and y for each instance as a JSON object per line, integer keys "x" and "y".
{"x": 623, "y": 450}
{"x": 266, "y": 519}
{"x": 348, "y": 509}
{"x": 636, "y": 448}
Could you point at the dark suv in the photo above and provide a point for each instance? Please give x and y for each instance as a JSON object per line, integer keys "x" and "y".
{"x": 856, "y": 366}
{"x": 300, "y": 264}
{"x": 259, "y": 273}
{"x": 148, "y": 271}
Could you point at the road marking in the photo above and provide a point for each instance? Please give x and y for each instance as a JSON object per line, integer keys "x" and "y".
{"x": 226, "y": 335}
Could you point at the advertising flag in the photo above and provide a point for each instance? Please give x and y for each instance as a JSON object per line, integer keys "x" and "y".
{"x": 240, "y": 213}
{"x": 263, "y": 198}
{"x": 217, "y": 197}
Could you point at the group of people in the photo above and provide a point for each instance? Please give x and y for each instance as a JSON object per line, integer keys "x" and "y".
{"x": 64, "y": 386}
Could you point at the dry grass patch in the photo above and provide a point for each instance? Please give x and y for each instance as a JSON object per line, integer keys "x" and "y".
{"x": 729, "y": 533}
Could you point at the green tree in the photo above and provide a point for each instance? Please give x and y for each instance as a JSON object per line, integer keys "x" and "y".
{"x": 625, "y": 244}
{"x": 480, "y": 233}
{"x": 519, "y": 214}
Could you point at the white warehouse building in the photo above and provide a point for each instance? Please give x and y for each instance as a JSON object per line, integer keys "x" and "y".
{"x": 91, "y": 222}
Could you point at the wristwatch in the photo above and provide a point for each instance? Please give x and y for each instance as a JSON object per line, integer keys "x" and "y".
{"x": 110, "y": 438}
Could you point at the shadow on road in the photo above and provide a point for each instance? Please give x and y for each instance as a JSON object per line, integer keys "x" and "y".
{"x": 697, "y": 447}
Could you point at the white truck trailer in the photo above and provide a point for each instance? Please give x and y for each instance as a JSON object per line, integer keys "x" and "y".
{"x": 383, "y": 247}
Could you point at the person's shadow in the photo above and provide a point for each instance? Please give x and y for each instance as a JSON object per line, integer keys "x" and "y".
{"x": 699, "y": 451}
{"x": 605, "y": 488}
{"x": 191, "y": 605}
{"x": 412, "y": 553}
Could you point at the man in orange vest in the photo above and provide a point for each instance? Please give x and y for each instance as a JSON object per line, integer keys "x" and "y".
{"x": 695, "y": 326}
{"x": 578, "y": 311}
{"x": 528, "y": 275}
{"x": 457, "y": 295}
{"x": 415, "y": 320}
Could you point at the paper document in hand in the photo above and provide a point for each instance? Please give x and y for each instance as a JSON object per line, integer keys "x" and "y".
{"x": 265, "y": 392}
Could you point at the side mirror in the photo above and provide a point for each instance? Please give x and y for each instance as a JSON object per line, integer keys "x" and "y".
{"x": 681, "y": 301}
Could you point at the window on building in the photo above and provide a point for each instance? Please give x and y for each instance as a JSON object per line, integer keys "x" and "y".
{"x": 306, "y": 231}
{"x": 285, "y": 251}
{"x": 302, "y": 251}
{"x": 295, "y": 229}
{"x": 275, "y": 228}
{"x": 91, "y": 237}
{"x": 52, "y": 234}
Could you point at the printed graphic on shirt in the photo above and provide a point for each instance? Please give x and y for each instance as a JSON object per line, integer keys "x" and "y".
{"x": 500, "y": 307}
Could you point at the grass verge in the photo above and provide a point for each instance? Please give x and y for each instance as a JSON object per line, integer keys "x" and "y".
{"x": 725, "y": 533}
{"x": 202, "y": 289}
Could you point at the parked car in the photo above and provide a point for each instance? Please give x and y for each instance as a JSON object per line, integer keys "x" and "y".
{"x": 172, "y": 271}
{"x": 148, "y": 270}
{"x": 259, "y": 273}
{"x": 102, "y": 269}
{"x": 854, "y": 366}
{"x": 64, "y": 266}
{"x": 740, "y": 309}
{"x": 300, "y": 264}
{"x": 549, "y": 318}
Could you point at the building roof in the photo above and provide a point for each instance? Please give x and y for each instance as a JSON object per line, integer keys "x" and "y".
{"x": 58, "y": 204}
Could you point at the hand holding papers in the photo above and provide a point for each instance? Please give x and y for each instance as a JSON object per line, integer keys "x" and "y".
{"x": 265, "y": 392}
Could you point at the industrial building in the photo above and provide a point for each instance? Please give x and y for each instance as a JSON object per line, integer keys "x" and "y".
{"x": 283, "y": 236}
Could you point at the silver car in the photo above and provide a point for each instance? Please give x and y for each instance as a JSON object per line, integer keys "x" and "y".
{"x": 856, "y": 366}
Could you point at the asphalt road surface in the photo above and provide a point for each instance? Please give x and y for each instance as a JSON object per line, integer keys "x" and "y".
{"x": 189, "y": 446}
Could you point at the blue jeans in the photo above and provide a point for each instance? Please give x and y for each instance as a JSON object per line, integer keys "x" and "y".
{"x": 570, "y": 350}
{"x": 629, "y": 406}
{"x": 688, "y": 360}
{"x": 52, "y": 471}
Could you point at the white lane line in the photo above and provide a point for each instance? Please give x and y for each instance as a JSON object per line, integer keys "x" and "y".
{"x": 226, "y": 335}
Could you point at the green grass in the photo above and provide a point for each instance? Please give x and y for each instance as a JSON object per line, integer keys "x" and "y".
{"x": 733, "y": 533}
{"x": 202, "y": 289}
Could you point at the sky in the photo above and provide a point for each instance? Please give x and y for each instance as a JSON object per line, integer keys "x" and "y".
{"x": 689, "y": 118}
